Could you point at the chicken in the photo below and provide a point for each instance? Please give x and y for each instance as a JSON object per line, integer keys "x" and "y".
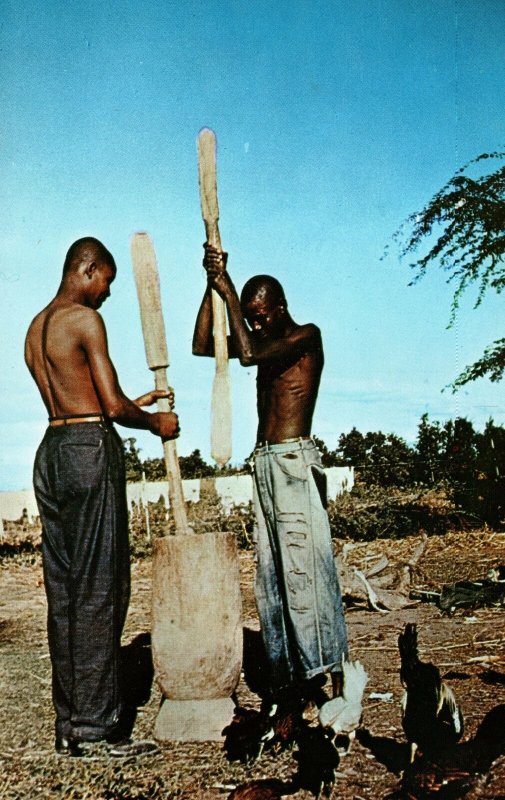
{"x": 317, "y": 761}
{"x": 247, "y": 733}
{"x": 431, "y": 717}
{"x": 343, "y": 714}
{"x": 268, "y": 789}
{"x": 286, "y": 725}
{"x": 454, "y": 771}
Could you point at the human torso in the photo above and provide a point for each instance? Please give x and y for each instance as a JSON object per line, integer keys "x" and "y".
{"x": 287, "y": 393}
{"x": 58, "y": 362}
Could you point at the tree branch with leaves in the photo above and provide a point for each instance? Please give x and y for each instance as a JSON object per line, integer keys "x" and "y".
{"x": 464, "y": 224}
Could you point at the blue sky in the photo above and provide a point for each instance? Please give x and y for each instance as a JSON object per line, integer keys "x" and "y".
{"x": 334, "y": 121}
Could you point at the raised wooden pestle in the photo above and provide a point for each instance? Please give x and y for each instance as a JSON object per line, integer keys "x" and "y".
{"x": 220, "y": 446}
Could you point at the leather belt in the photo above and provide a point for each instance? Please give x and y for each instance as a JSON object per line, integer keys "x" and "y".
{"x": 54, "y": 422}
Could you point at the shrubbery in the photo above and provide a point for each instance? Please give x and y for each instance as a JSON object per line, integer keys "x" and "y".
{"x": 452, "y": 477}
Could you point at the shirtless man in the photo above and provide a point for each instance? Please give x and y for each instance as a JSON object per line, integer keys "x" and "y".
{"x": 80, "y": 486}
{"x": 297, "y": 592}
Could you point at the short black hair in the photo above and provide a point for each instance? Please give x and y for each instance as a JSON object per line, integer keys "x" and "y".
{"x": 87, "y": 248}
{"x": 263, "y": 286}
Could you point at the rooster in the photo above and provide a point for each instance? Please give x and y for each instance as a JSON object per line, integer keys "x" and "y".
{"x": 431, "y": 717}
{"x": 343, "y": 714}
{"x": 454, "y": 771}
{"x": 247, "y": 733}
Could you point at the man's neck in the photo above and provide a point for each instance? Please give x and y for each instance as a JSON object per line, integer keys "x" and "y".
{"x": 70, "y": 292}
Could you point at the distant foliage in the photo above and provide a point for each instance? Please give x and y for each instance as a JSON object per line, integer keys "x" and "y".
{"x": 468, "y": 466}
{"x": 133, "y": 463}
{"x": 194, "y": 466}
{"x": 372, "y": 512}
{"x": 153, "y": 469}
{"x": 465, "y": 225}
{"x": 382, "y": 459}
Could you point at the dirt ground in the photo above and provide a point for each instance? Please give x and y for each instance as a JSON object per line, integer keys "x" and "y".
{"x": 468, "y": 647}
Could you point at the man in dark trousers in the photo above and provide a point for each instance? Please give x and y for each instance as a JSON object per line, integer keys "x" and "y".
{"x": 80, "y": 486}
{"x": 297, "y": 591}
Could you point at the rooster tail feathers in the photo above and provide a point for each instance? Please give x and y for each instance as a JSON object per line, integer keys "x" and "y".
{"x": 343, "y": 714}
{"x": 448, "y": 699}
{"x": 355, "y": 680}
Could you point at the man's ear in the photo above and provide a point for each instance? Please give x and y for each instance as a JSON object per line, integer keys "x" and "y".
{"x": 90, "y": 269}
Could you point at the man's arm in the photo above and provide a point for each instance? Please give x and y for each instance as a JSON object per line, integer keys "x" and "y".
{"x": 203, "y": 339}
{"x": 249, "y": 349}
{"x": 114, "y": 403}
{"x": 149, "y": 398}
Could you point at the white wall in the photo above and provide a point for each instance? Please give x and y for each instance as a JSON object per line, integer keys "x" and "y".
{"x": 234, "y": 490}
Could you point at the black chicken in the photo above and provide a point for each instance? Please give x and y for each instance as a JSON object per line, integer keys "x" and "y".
{"x": 247, "y": 733}
{"x": 453, "y": 772}
{"x": 317, "y": 760}
{"x": 432, "y": 719}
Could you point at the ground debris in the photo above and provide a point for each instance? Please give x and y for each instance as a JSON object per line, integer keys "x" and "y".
{"x": 200, "y": 771}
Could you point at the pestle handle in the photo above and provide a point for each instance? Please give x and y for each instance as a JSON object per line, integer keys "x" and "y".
{"x": 153, "y": 328}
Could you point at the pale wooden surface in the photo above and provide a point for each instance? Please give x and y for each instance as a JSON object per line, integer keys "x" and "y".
{"x": 153, "y": 328}
{"x": 221, "y": 448}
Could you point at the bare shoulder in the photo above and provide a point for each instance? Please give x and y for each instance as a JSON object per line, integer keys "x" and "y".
{"x": 37, "y": 322}
{"x": 83, "y": 321}
{"x": 310, "y": 334}
{"x": 311, "y": 329}
{"x": 84, "y": 315}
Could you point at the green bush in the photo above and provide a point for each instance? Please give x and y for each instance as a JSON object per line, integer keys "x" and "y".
{"x": 369, "y": 513}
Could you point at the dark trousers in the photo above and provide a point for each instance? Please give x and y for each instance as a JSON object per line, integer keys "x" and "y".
{"x": 79, "y": 482}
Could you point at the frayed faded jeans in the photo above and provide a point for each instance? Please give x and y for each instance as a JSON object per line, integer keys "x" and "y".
{"x": 297, "y": 590}
{"x": 79, "y": 483}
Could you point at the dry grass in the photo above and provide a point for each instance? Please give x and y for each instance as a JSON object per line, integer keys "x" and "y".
{"x": 470, "y": 647}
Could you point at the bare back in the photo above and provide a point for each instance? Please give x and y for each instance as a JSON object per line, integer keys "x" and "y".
{"x": 287, "y": 393}
{"x": 56, "y": 356}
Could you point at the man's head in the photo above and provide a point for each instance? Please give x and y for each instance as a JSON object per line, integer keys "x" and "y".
{"x": 264, "y": 306}
{"x": 89, "y": 261}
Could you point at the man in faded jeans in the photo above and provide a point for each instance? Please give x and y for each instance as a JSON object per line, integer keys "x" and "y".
{"x": 297, "y": 591}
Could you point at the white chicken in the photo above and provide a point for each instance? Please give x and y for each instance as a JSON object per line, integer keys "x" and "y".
{"x": 343, "y": 714}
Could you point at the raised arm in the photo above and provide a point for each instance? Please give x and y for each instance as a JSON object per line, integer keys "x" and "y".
{"x": 203, "y": 339}
{"x": 115, "y": 404}
{"x": 203, "y": 342}
{"x": 247, "y": 344}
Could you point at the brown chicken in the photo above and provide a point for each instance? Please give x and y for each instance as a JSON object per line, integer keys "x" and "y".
{"x": 247, "y": 733}
{"x": 455, "y": 770}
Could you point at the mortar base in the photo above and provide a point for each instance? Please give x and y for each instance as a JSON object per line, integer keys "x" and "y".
{"x": 193, "y": 720}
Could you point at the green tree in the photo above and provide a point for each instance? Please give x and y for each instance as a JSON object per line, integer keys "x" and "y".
{"x": 133, "y": 464}
{"x": 461, "y": 460}
{"x": 389, "y": 459}
{"x": 329, "y": 458}
{"x": 491, "y": 450}
{"x": 154, "y": 469}
{"x": 382, "y": 459}
{"x": 194, "y": 466}
{"x": 429, "y": 451}
{"x": 464, "y": 224}
{"x": 352, "y": 448}
{"x": 490, "y": 485}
